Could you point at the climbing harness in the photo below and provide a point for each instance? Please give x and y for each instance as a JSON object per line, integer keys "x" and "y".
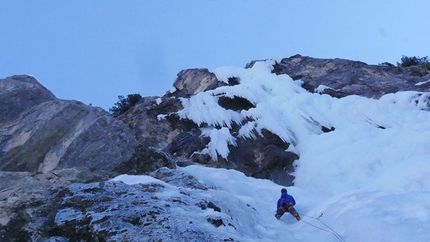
{"x": 330, "y": 230}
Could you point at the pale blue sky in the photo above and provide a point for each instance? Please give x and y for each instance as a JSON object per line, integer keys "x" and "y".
{"x": 93, "y": 51}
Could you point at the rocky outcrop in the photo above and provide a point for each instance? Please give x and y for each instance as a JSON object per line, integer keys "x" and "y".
{"x": 145, "y": 119}
{"x": 340, "y": 77}
{"x": 41, "y": 133}
{"x": 145, "y": 160}
{"x": 76, "y": 205}
{"x": 193, "y": 81}
{"x": 18, "y": 94}
{"x": 28, "y": 202}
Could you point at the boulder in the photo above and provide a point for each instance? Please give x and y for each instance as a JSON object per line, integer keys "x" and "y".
{"x": 192, "y": 81}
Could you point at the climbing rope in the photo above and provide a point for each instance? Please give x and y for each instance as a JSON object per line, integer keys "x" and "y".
{"x": 325, "y": 230}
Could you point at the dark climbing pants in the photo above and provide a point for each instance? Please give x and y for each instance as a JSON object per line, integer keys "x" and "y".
{"x": 286, "y": 207}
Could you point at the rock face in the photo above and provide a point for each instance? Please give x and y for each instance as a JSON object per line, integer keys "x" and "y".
{"x": 143, "y": 118}
{"x": 40, "y": 133}
{"x": 193, "y": 81}
{"x": 75, "y": 205}
{"x": 340, "y": 78}
{"x": 18, "y": 94}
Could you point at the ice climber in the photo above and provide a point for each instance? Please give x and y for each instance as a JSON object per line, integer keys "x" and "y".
{"x": 286, "y": 204}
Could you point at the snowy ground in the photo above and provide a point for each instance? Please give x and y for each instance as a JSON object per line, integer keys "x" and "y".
{"x": 369, "y": 178}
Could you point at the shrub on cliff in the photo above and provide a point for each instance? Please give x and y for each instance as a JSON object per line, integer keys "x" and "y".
{"x": 124, "y": 104}
{"x": 414, "y": 65}
{"x": 413, "y": 61}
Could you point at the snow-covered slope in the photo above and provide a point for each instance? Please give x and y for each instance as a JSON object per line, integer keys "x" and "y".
{"x": 369, "y": 177}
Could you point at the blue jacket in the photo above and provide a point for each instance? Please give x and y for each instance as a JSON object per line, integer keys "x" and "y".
{"x": 285, "y": 198}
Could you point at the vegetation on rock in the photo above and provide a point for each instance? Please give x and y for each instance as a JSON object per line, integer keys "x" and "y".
{"x": 419, "y": 66}
{"x": 124, "y": 104}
